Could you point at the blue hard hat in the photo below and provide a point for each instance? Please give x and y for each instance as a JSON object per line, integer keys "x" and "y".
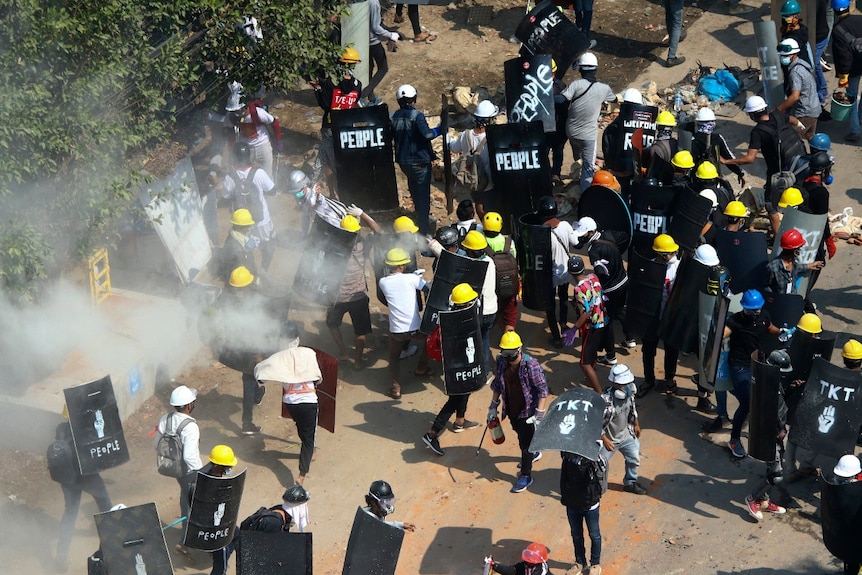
{"x": 840, "y": 4}
{"x": 752, "y": 299}
{"x": 791, "y": 7}
{"x": 821, "y": 141}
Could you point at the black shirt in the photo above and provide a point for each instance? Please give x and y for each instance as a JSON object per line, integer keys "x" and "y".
{"x": 746, "y": 333}
{"x": 764, "y": 137}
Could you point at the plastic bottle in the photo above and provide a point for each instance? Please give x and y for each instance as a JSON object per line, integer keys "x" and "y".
{"x": 677, "y": 102}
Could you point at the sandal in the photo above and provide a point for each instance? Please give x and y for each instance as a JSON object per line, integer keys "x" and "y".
{"x": 395, "y": 391}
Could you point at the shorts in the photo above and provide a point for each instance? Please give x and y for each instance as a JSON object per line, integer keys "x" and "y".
{"x": 360, "y": 315}
{"x": 592, "y": 342}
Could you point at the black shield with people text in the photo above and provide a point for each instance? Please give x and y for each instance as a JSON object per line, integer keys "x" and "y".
{"x": 689, "y": 217}
{"x": 323, "y": 262}
{"x": 535, "y": 263}
{"x": 530, "y": 90}
{"x": 679, "y": 323}
{"x": 97, "y": 429}
{"x": 643, "y": 298}
{"x": 744, "y": 256}
{"x": 281, "y": 553}
{"x": 609, "y": 210}
{"x": 215, "y": 507}
{"x": 572, "y": 423}
{"x": 804, "y": 348}
{"x": 651, "y": 212}
{"x": 463, "y": 351}
{"x": 452, "y": 269}
{"x": 546, "y": 30}
{"x": 634, "y": 117}
{"x": 132, "y": 541}
{"x": 373, "y": 547}
{"x": 763, "y": 422}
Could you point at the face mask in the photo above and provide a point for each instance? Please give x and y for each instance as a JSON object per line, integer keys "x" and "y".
{"x": 751, "y": 312}
{"x": 623, "y": 393}
{"x": 511, "y": 358}
{"x": 252, "y": 242}
{"x": 706, "y": 127}
{"x": 785, "y": 60}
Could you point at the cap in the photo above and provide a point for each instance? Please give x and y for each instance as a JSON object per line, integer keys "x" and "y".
{"x": 585, "y": 225}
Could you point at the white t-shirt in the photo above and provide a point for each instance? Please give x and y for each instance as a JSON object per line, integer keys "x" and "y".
{"x": 489, "y": 288}
{"x": 295, "y": 393}
{"x": 400, "y": 292}
{"x": 264, "y": 184}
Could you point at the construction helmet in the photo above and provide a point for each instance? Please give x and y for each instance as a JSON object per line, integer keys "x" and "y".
{"x": 553, "y": 66}
{"x": 840, "y": 5}
{"x": 350, "y": 56}
{"x": 754, "y": 104}
{"x": 780, "y": 359}
{"x": 474, "y": 241}
{"x": 547, "y": 208}
{"x": 848, "y": 466}
{"x": 492, "y": 222}
{"x": 683, "y": 159}
{"x": 706, "y": 255}
{"x": 575, "y": 265}
{"x": 535, "y": 554}
{"x": 633, "y": 95}
{"x": 462, "y": 293}
{"x": 296, "y": 494}
{"x": 510, "y": 340}
{"x": 820, "y": 141}
{"x": 705, "y": 115}
{"x": 736, "y": 209}
{"x": 792, "y": 240}
{"x": 397, "y": 257}
{"x": 752, "y": 299}
{"x": 296, "y": 181}
{"x": 603, "y": 178}
{"x": 404, "y": 224}
{"x": 448, "y": 236}
{"x": 852, "y": 350}
{"x": 241, "y": 154}
{"x": 405, "y": 91}
{"x": 709, "y": 195}
{"x": 381, "y": 490}
{"x": 486, "y": 110}
{"x": 664, "y": 244}
{"x": 223, "y": 455}
{"x": 809, "y": 322}
{"x": 350, "y": 223}
{"x": 706, "y": 171}
{"x": 790, "y": 198}
{"x": 787, "y": 47}
{"x": 665, "y": 118}
{"x": 588, "y": 61}
{"x": 242, "y": 217}
{"x": 819, "y": 161}
{"x": 621, "y": 375}
{"x": 240, "y": 277}
{"x": 183, "y": 395}
{"x": 789, "y": 8}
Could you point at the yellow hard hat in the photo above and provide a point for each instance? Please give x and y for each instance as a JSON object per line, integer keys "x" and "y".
{"x": 474, "y": 241}
{"x": 242, "y": 217}
{"x": 350, "y": 223}
{"x": 350, "y": 56}
{"x": 240, "y": 277}
{"x": 706, "y": 171}
{"x": 492, "y": 222}
{"x": 852, "y": 350}
{"x": 810, "y": 322}
{"x": 683, "y": 159}
{"x": 553, "y": 66}
{"x": 663, "y": 243}
{"x": 223, "y": 455}
{"x": 463, "y": 293}
{"x": 791, "y": 197}
{"x": 510, "y": 340}
{"x": 665, "y": 118}
{"x": 397, "y": 257}
{"x": 736, "y": 209}
{"x": 404, "y": 224}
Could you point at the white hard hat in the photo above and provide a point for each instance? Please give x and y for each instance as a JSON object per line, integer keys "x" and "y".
{"x": 621, "y": 374}
{"x": 183, "y": 395}
{"x": 754, "y": 104}
{"x": 848, "y": 466}
{"x": 486, "y": 109}
{"x": 709, "y": 195}
{"x": 585, "y": 225}
{"x": 588, "y": 61}
{"x": 705, "y": 115}
{"x": 788, "y": 46}
{"x": 706, "y": 255}
{"x": 296, "y": 181}
{"x": 405, "y": 91}
{"x": 234, "y": 100}
{"x": 633, "y": 95}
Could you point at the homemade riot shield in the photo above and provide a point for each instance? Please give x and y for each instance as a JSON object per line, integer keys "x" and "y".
{"x": 536, "y": 265}
{"x": 711, "y": 357}
{"x": 643, "y": 299}
{"x": 689, "y": 217}
{"x": 812, "y": 227}
{"x": 362, "y": 139}
{"x": 651, "y": 207}
{"x": 132, "y": 541}
{"x": 744, "y": 255}
{"x": 324, "y": 259}
{"x": 633, "y": 116}
{"x": 326, "y": 389}
{"x": 546, "y": 30}
{"x": 572, "y": 423}
{"x": 608, "y": 209}
{"x": 841, "y": 517}
{"x": 97, "y": 430}
{"x": 784, "y": 311}
{"x": 519, "y": 166}
{"x": 679, "y": 322}
{"x": 215, "y": 507}
{"x": 447, "y": 155}
{"x": 279, "y": 553}
{"x": 830, "y": 412}
{"x": 804, "y": 348}
{"x": 463, "y": 351}
{"x": 705, "y": 308}
{"x": 763, "y": 422}
{"x": 373, "y": 547}
{"x": 452, "y": 269}
{"x": 530, "y": 90}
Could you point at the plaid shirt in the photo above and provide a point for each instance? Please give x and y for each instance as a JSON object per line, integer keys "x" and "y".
{"x": 532, "y": 380}
{"x": 781, "y": 280}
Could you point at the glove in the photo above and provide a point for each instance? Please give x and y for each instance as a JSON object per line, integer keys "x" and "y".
{"x": 419, "y": 272}
{"x": 830, "y": 247}
{"x": 279, "y": 146}
{"x": 492, "y": 409}
{"x": 843, "y": 80}
{"x": 354, "y": 211}
{"x": 569, "y": 336}
{"x": 394, "y": 36}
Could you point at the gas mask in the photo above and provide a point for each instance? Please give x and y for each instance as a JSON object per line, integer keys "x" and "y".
{"x": 511, "y": 356}
{"x": 664, "y": 133}
{"x": 387, "y": 506}
{"x": 623, "y": 393}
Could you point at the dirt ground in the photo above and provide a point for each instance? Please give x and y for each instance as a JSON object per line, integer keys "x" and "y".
{"x": 691, "y": 521}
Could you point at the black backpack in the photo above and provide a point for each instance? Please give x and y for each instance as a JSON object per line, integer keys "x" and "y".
{"x": 506, "y": 265}
{"x": 791, "y": 147}
{"x": 852, "y": 41}
{"x": 62, "y": 463}
{"x": 169, "y": 450}
{"x": 246, "y": 195}
{"x": 264, "y": 519}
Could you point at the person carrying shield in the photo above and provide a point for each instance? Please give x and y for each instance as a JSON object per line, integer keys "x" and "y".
{"x": 563, "y": 238}
{"x": 310, "y": 201}
{"x": 814, "y": 186}
{"x": 852, "y": 356}
{"x": 475, "y": 246}
{"x": 708, "y": 145}
{"x": 621, "y": 430}
{"x": 221, "y": 463}
{"x": 785, "y": 270}
{"x": 534, "y": 561}
{"x": 582, "y": 484}
{"x": 592, "y": 320}
{"x": 381, "y": 503}
{"x": 507, "y": 292}
{"x": 239, "y": 246}
{"x": 680, "y": 179}
{"x": 519, "y": 385}
{"x": 848, "y": 470}
{"x": 736, "y": 213}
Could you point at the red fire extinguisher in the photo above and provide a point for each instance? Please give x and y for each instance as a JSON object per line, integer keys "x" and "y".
{"x": 497, "y": 435}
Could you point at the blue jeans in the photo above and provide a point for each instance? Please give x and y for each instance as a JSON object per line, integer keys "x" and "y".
{"x": 721, "y": 403}
{"x": 819, "y": 77}
{"x": 576, "y": 522}
{"x": 419, "y": 184}
{"x": 631, "y": 450}
{"x": 584, "y": 16}
{"x": 673, "y": 21}
{"x": 853, "y": 94}
{"x": 740, "y": 377}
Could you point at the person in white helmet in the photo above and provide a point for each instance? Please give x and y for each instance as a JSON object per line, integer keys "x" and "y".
{"x": 800, "y": 87}
{"x": 848, "y": 469}
{"x": 472, "y": 147}
{"x": 708, "y": 145}
{"x": 586, "y": 96}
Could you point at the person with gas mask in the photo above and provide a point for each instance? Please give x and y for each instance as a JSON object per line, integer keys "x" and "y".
{"x": 534, "y": 561}
{"x": 621, "y": 429}
{"x": 239, "y": 246}
{"x": 820, "y": 176}
{"x": 381, "y": 503}
{"x": 658, "y": 156}
{"x": 785, "y": 270}
{"x": 708, "y": 145}
{"x": 800, "y": 88}
{"x": 311, "y": 201}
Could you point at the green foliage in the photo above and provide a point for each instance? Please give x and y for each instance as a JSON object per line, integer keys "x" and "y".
{"x": 23, "y": 259}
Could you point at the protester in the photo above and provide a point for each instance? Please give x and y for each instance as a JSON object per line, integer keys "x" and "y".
{"x": 848, "y": 65}
{"x": 800, "y": 87}
{"x": 534, "y": 561}
{"x": 582, "y": 484}
{"x": 377, "y": 53}
{"x": 381, "y": 503}
{"x": 592, "y": 319}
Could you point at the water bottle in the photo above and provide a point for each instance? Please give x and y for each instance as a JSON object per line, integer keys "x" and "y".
{"x": 677, "y": 102}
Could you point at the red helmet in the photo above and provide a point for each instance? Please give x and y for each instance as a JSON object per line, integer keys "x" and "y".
{"x": 535, "y": 553}
{"x": 792, "y": 240}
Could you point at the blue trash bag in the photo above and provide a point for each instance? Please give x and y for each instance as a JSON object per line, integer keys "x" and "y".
{"x": 719, "y": 86}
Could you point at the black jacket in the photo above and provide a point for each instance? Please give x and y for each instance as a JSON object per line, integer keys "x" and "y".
{"x": 607, "y": 261}
{"x": 582, "y": 481}
{"x": 841, "y": 51}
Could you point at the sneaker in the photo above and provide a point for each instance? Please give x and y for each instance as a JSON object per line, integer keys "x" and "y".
{"x": 753, "y": 507}
{"x": 739, "y": 10}
{"x": 670, "y": 387}
{"x": 456, "y": 428}
{"x": 259, "y": 393}
{"x": 704, "y": 405}
{"x": 644, "y": 389}
{"x": 523, "y": 482}
{"x": 824, "y": 65}
{"x": 675, "y": 61}
{"x": 595, "y": 570}
{"x": 851, "y": 137}
{"x": 736, "y": 448}
{"x": 605, "y": 360}
{"x": 250, "y": 429}
{"x": 715, "y": 425}
{"x": 411, "y": 350}
{"x": 536, "y": 456}
{"x": 630, "y": 344}
{"x": 636, "y": 488}
{"x": 772, "y": 507}
{"x": 557, "y": 342}
{"x": 575, "y": 569}
{"x": 433, "y": 443}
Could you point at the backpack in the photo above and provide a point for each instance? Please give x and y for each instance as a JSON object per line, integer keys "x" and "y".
{"x": 467, "y": 172}
{"x": 508, "y": 282}
{"x": 462, "y": 233}
{"x": 169, "y": 450}
{"x": 246, "y": 195}
{"x": 852, "y": 41}
{"x": 791, "y": 148}
{"x": 62, "y": 463}
{"x": 255, "y": 521}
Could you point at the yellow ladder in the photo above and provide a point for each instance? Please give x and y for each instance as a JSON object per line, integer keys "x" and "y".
{"x": 100, "y": 275}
